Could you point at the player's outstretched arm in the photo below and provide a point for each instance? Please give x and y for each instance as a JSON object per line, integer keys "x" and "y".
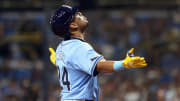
{"x": 130, "y": 61}
{"x": 52, "y": 56}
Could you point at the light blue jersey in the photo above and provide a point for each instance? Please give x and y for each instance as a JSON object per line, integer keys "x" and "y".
{"x": 76, "y": 61}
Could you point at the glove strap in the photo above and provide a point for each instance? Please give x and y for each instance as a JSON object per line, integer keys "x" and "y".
{"x": 118, "y": 65}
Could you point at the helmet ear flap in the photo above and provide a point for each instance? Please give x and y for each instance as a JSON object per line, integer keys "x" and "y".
{"x": 59, "y": 30}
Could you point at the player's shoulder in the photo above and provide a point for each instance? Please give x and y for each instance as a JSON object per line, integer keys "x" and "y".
{"x": 79, "y": 43}
{"x": 67, "y": 43}
{"x": 84, "y": 45}
{"x": 75, "y": 44}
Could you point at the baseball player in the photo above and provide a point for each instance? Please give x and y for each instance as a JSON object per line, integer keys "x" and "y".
{"x": 77, "y": 62}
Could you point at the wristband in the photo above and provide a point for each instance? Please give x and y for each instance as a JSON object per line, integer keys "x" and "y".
{"x": 118, "y": 65}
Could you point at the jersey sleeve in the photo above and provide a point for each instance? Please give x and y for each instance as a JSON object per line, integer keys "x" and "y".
{"x": 85, "y": 59}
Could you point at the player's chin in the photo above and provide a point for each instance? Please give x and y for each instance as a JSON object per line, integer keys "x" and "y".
{"x": 84, "y": 27}
{"x": 85, "y": 24}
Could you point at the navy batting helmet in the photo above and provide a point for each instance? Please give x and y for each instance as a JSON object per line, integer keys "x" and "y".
{"x": 61, "y": 19}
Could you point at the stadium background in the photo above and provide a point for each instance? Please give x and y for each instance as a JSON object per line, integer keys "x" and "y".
{"x": 152, "y": 27}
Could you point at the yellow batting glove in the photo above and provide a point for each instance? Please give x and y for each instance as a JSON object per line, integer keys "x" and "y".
{"x": 132, "y": 61}
{"x": 52, "y": 56}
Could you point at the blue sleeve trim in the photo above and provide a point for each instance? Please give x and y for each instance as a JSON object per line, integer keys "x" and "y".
{"x": 93, "y": 70}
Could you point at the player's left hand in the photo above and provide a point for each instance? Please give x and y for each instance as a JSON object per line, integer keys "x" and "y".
{"x": 52, "y": 56}
{"x": 132, "y": 61}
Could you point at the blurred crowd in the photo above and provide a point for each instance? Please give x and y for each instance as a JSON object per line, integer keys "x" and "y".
{"x": 154, "y": 35}
{"x": 21, "y": 56}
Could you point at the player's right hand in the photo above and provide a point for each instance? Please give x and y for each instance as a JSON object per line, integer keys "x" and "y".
{"x": 52, "y": 56}
{"x": 132, "y": 61}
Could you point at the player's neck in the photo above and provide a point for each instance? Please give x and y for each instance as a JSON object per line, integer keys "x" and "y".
{"x": 77, "y": 35}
